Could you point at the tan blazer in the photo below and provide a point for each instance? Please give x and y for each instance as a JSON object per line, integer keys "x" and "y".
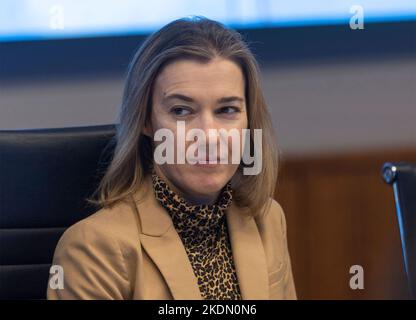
{"x": 132, "y": 251}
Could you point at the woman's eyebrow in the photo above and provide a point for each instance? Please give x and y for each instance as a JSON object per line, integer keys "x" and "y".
{"x": 178, "y": 96}
{"x": 230, "y": 99}
{"x": 189, "y": 99}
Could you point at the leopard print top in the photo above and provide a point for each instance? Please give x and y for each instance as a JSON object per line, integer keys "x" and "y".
{"x": 203, "y": 231}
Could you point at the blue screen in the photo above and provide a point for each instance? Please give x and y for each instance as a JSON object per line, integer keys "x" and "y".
{"x": 57, "y": 19}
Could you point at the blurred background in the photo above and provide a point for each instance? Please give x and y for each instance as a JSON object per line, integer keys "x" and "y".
{"x": 339, "y": 77}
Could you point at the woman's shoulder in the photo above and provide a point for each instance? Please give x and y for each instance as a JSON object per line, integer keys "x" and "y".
{"x": 96, "y": 250}
{"x": 116, "y": 223}
{"x": 273, "y": 219}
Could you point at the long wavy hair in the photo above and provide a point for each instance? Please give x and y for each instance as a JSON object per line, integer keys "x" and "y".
{"x": 187, "y": 38}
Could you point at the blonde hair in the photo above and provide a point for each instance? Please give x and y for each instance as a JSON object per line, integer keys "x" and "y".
{"x": 188, "y": 38}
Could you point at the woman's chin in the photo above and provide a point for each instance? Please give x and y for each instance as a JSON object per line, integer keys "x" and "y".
{"x": 207, "y": 185}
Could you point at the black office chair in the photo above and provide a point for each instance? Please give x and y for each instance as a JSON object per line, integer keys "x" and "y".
{"x": 402, "y": 176}
{"x": 45, "y": 176}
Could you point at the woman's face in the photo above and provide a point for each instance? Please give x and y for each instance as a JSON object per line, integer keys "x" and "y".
{"x": 205, "y": 96}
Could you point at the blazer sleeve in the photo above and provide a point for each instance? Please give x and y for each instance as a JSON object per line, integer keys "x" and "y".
{"x": 289, "y": 284}
{"x": 92, "y": 263}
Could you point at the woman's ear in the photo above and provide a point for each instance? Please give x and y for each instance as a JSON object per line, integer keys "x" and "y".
{"x": 147, "y": 130}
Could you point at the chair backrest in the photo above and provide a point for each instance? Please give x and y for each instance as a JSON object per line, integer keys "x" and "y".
{"x": 45, "y": 177}
{"x": 402, "y": 176}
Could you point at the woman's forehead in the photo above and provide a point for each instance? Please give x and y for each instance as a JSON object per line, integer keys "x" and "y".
{"x": 193, "y": 77}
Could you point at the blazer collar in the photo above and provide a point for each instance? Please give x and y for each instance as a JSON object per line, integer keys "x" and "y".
{"x": 164, "y": 246}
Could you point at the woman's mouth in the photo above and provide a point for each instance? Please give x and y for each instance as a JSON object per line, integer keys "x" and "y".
{"x": 207, "y": 162}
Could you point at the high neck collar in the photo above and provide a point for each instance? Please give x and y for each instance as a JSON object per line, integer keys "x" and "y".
{"x": 189, "y": 217}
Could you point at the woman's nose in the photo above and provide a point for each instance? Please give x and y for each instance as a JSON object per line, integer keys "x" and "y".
{"x": 209, "y": 125}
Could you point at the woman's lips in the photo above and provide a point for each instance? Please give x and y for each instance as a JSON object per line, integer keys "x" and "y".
{"x": 207, "y": 163}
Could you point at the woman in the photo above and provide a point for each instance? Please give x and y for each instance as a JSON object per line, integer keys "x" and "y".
{"x": 193, "y": 229}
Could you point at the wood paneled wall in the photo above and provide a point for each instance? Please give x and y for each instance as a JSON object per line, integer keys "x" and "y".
{"x": 340, "y": 213}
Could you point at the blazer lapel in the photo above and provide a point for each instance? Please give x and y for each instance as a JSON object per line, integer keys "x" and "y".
{"x": 164, "y": 246}
{"x": 170, "y": 257}
{"x": 249, "y": 256}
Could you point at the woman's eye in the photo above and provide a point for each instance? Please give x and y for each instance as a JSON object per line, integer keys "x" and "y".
{"x": 180, "y": 111}
{"x": 228, "y": 110}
